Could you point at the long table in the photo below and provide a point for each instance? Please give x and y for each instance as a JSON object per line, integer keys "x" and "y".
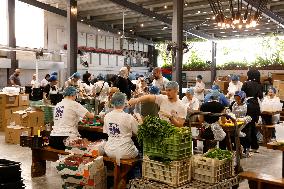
{"x": 277, "y": 146}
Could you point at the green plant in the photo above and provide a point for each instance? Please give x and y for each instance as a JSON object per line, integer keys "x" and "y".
{"x": 195, "y": 62}
{"x": 219, "y": 154}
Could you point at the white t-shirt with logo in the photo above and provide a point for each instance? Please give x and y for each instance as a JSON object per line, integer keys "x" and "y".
{"x": 67, "y": 114}
{"x": 120, "y": 126}
{"x": 193, "y": 104}
{"x": 177, "y": 109}
{"x": 160, "y": 83}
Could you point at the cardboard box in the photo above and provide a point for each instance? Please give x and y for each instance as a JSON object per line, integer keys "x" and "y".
{"x": 3, "y": 125}
{"x": 12, "y": 134}
{"x": 279, "y": 85}
{"x": 278, "y": 76}
{"x": 24, "y": 100}
{"x": 9, "y": 100}
{"x": 28, "y": 119}
{"x": 223, "y": 85}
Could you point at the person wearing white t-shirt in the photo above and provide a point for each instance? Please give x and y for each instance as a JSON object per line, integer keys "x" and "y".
{"x": 234, "y": 86}
{"x": 44, "y": 82}
{"x": 159, "y": 81}
{"x": 67, "y": 114}
{"x": 190, "y": 101}
{"x": 120, "y": 126}
{"x": 100, "y": 89}
{"x": 171, "y": 107}
{"x": 199, "y": 88}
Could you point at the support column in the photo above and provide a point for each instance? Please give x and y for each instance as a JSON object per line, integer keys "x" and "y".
{"x": 71, "y": 37}
{"x": 11, "y": 37}
{"x": 213, "y": 63}
{"x": 177, "y": 38}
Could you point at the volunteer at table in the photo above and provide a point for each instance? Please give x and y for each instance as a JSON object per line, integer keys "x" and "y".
{"x": 67, "y": 114}
{"x": 234, "y": 86}
{"x": 199, "y": 88}
{"x": 159, "y": 81}
{"x": 253, "y": 90}
{"x": 211, "y": 129}
{"x": 190, "y": 101}
{"x": 74, "y": 81}
{"x": 86, "y": 84}
{"x": 123, "y": 83}
{"x": 239, "y": 109}
{"x": 50, "y": 89}
{"x": 222, "y": 98}
{"x": 171, "y": 107}
{"x": 120, "y": 127}
{"x": 44, "y": 82}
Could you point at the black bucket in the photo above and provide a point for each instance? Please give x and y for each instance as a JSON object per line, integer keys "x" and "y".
{"x": 10, "y": 171}
{"x": 13, "y": 185}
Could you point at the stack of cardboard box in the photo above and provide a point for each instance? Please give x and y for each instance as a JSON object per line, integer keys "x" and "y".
{"x": 24, "y": 122}
{"x": 9, "y": 104}
{"x": 279, "y": 85}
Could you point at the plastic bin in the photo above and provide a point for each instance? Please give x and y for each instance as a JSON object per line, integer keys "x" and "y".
{"x": 175, "y": 173}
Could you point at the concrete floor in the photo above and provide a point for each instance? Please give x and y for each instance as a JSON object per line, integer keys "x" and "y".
{"x": 267, "y": 161}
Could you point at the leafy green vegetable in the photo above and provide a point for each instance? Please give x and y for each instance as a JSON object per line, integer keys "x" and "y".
{"x": 219, "y": 154}
{"x": 155, "y": 130}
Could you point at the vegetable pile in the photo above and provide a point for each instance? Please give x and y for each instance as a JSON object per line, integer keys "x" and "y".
{"x": 219, "y": 154}
{"x": 155, "y": 130}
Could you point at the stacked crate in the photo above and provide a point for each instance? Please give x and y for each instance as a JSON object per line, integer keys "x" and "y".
{"x": 178, "y": 151}
{"x": 89, "y": 175}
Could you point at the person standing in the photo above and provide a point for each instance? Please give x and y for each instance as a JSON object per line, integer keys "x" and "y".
{"x": 253, "y": 90}
{"x": 86, "y": 84}
{"x": 190, "y": 101}
{"x": 171, "y": 107}
{"x": 74, "y": 81}
{"x": 123, "y": 83}
{"x": 199, "y": 88}
{"x": 159, "y": 81}
{"x": 14, "y": 78}
{"x": 67, "y": 114}
{"x": 50, "y": 90}
{"x": 234, "y": 85}
{"x": 44, "y": 82}
{"x": 33, "y": 81}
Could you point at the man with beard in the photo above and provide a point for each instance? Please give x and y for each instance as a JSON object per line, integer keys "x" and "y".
{"x": 14, "y": 78}
{"x": 159, "y": 81}
{"x": 171, "y": 107}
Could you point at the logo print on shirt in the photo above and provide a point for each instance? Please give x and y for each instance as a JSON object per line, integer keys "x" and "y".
{"x": 59, "y": 112}
{"x": 114, "y": 129}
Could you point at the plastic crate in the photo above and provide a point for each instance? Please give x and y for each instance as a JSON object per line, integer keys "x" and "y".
{"x": 210, "y": 170}
{"x": 175, "y": 173}
{"x": 178, "y": 146}
{"x": 143, "y": 184}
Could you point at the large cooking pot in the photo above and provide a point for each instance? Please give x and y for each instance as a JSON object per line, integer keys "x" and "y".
{"x": 10, "y": 171}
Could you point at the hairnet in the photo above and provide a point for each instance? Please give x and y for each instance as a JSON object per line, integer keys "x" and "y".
{"x": 235, "y": 78}
{"x": 199, "y": 77}
{"x": 190, "y": 91}
{"x": 273, "y": 89}
{"x": 118, "y": 99}
{"x": 54, "y": 73}
{"x": 100, "y": 77}
{"x": 241, "y": 94}
{"x": 172, "y": 85}
{"x": 154, "y": 90}
{"x": 215, "y": 87}
{"x": 53, "y": 78}
{"x": 215, "y": 95}
{"x": 76, "y": 75}
{"x": 70, "y": 91}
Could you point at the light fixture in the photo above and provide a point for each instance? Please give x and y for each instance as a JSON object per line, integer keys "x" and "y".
{"x": 99, "y": 30}
{"x": 240, "y": 16}
{"x": 186, "y": 4}
{"x": 222, "y": 32}
{"x": 82, "y": 20}
{"x": 119, "y": 33}
{"x": 89, "y": 25}
{"x": 73, "y": 10}
{"x": 213, "y": 17}
{"x": 165, "y": 7}
{"x": 142, "y": 25}
{"x": 154, "y": 17}
{"x": 131, "y": 30}
{"x": 165, "y": 27}
{"x": 198, "y": 12}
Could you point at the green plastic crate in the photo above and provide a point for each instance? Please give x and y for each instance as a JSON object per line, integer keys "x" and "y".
{"x": 178, "y": 146}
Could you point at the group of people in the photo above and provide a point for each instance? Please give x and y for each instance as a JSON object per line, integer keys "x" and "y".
{"x": 125, "y": 103}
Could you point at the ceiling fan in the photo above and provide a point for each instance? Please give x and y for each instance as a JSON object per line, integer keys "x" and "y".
{"x": 123, "y": 36}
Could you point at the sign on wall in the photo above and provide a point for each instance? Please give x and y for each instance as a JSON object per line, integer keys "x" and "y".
{"x": 82, "y": 39}
{"x": 101, "y": 42}
{"x": 131, "y": 46}
{"x": 145, "y": 48}
{"x": 125, "y": 44}
{"x": 61, "y": 36}
{"x": 91, "y": 40}
{"x": 136, "y": 46}
{"x": 116, "y": 45}
{"x": 109, "y": 42}
{"x": 141, "y": 47}
{"x": 112, "y": 60}
{"x": 104, "y": 59}
{"x": 95, "y": 60}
